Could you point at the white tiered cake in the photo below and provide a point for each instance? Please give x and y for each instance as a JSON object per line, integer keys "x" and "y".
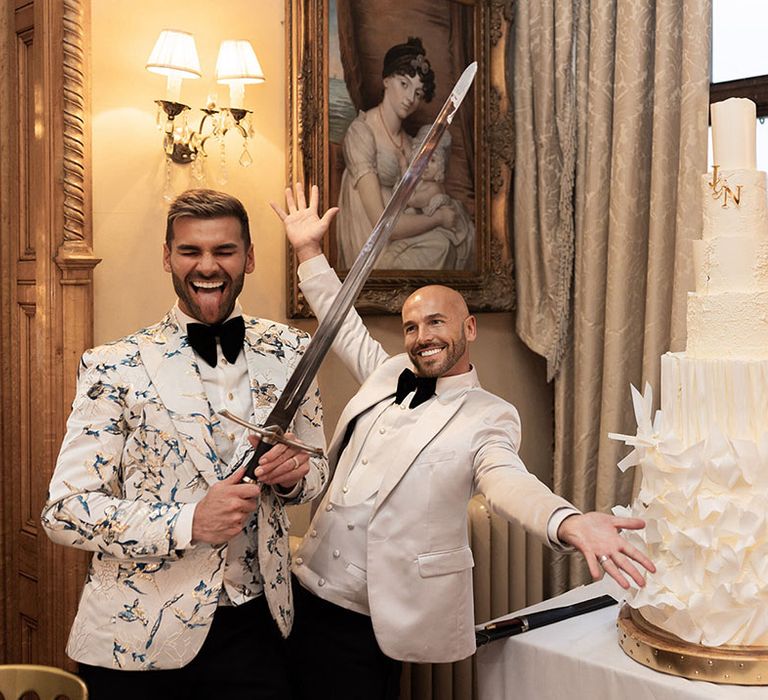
{"x": 704, "y": 457}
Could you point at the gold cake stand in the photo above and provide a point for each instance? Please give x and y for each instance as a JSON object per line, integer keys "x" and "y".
{"x": 663, "y": 651}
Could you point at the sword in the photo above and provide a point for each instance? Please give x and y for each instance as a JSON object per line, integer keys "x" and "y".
{"x": 288, "y": 404}
{"x": 523, "y": 623}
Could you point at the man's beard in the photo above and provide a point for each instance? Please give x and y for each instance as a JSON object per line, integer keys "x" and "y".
{"x": 452, "y": 354}
{"x": 232, "y": 289}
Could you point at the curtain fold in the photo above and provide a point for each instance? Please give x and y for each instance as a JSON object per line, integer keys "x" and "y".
{"x": 462, "y": 53}
{"x": 348, "y": 52}
{"x": 640, "y": 76}
{"x": 545, "y": 158}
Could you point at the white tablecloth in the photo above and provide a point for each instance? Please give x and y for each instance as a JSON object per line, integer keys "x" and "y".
{"x": 580, "y": 659}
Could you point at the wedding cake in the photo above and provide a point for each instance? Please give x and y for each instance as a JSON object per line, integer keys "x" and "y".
{"x": 704, "y": 455}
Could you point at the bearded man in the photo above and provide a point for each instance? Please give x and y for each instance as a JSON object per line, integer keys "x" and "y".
{"x": 188, "y": 592}
{"x": 385, "y": 571}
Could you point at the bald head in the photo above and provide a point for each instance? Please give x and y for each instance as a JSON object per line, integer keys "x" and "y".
{"x": 437, "y": 294}
{"x": 437, "y": 328}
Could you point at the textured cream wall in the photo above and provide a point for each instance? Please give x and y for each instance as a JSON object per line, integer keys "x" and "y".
{"x": 129, "y": 212}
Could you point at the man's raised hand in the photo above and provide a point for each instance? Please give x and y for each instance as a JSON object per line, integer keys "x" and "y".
{"x": 303, "y": 226}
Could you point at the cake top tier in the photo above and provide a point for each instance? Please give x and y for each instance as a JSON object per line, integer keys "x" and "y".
{"x": 733, "y": 133}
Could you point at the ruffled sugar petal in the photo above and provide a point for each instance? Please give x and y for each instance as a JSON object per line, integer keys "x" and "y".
{"x": 703, "y": 536}
{"x": 703, "y": 496}
{"x": 631, "y": 460}
{"x": 758, "y": 561}
{"x": 622, "y": 512}
{"x": 725, "y": 564}
{"x": 707, "y": 505}
{"x": 643, "y": 405}
{"x": 680, "y": 620}
{"x": 748, "y": 461}
{"x": 762, "y": 449}
{"x": 755, "y": 632}
{"x": 745, "y": 591}
{"x": 724, "y": 627}
{"x": 646, "y": 436}
{"x": 652, "y": 534}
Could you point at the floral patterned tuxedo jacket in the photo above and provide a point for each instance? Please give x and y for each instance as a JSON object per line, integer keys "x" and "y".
{"x": 138, "y": 453}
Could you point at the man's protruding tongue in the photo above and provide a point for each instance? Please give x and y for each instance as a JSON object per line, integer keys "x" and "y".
{"x": 209, "y": 296}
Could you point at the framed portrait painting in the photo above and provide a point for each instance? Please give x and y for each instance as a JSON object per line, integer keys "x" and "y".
{"x": 366, "y": 80}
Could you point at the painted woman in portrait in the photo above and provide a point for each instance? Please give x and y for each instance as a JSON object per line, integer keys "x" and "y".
{"x": 375, "y": 148}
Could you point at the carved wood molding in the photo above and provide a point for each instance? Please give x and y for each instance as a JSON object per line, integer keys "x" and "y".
{"x": 75, "y": 261}
{"x": 73, "y": 86}
{"x": 75, "y": 256}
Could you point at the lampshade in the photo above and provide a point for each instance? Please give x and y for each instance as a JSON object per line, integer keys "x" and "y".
{"x": 237, "y": 63}
{"x": 175, "y": 55}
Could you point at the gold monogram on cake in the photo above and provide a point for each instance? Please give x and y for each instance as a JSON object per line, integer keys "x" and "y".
{"x": 720, "y": 189}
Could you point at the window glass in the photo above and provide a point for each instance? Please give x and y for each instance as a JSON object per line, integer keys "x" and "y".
{"x": 739, "y": 29}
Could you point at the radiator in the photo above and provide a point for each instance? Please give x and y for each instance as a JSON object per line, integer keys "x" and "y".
{"x": 507, "y": 576}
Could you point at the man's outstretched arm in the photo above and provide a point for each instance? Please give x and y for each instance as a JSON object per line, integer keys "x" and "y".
{"x": 303, "y": 226}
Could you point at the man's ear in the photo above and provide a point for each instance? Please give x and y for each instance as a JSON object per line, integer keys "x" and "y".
{"x": 470, "y": 328}
{"x": 166, "y": 258}
{"x": 250, "y": 260}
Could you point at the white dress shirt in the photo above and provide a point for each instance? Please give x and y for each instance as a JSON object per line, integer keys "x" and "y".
{"x": 227, "y": 385}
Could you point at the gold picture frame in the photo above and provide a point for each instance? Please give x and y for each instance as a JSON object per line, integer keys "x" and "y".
{"x": 488, "y": 282}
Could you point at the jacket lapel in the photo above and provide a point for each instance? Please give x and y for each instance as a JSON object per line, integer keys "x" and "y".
{"x": 268, "y": 371}
{"x": 436, "y": 416}
{"x": 172, "y": 367}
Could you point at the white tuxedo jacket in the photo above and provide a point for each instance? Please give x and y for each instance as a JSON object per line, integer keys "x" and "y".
{"x": 419, "y": 564}
{"x": 138, "y": 452}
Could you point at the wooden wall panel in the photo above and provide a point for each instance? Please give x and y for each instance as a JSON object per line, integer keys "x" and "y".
{"x": 25, "y": 116}
{"x": 46, "y": 300}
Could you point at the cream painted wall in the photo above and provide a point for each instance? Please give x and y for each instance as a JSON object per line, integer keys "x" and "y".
{"x": 129, "y": 211}
{"x": 128, "y": 163}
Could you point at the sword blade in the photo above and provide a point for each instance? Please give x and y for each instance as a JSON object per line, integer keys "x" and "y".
{"x": 305, "y": 371}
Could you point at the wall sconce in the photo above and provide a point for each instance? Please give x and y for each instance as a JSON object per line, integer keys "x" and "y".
{"x": 175, "y": 56}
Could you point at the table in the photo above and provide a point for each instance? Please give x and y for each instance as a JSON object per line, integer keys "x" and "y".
{"x": 580, "y": 659}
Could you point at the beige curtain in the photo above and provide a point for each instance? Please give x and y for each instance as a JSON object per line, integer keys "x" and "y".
{"x": 639, "y": 96}
{"x": 545, "y": 162}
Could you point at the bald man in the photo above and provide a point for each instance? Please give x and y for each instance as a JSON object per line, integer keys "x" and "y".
{"x": 385, "y": 571}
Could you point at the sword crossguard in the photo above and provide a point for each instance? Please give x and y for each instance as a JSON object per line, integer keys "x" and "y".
{"x": 272, "y": 434}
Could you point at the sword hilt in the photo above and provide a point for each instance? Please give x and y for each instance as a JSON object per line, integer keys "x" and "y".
{"x": 270, "y": 435}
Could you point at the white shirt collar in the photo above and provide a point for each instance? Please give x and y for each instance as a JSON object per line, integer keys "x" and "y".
{"x": 457, "y": 382}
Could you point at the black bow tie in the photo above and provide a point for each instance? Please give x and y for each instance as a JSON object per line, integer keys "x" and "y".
{"x": 231, "y": 335}
{"x": 408, "y": 382}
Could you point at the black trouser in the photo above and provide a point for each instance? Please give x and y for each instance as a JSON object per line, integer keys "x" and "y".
{"x": 243, "y": 656}
{"x": 336, "y": 653}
